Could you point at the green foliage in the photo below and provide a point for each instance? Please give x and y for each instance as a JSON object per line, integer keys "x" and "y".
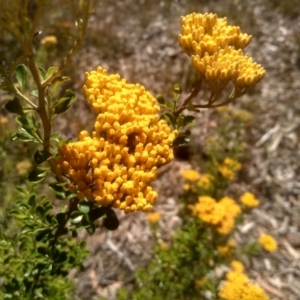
{"x": 173, "y": 271}
{"x": 35, "y": 260}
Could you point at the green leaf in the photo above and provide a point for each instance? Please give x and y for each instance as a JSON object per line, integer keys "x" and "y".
{"x": 27, "y": 121}
{"x": 64, "y": 103}
{"x": 35, "y": 93}
{"x": 180, "y": 122}
{"x": 43, "y": 73}
{"x": 43, "y": 250}
{"x": 91, "y": 229}
{"x": 188, "y": 120}
{"x": 181, "y": 141}
{"x": 21, "y": 76}
{"x": 62, "y": 257}
{"x": 85, "y": 222}
{"x": 160, "y": 99}
{"x": 60, "y": 217}
{"x": 177, "y": 90}
{"x": 25, "y": 136}
{"x": 41, "y": 156}
{"x": 187, "y": 132}
{"x": 27, "y": 228}
{"x": 40, "y": 211}
{"x": 32, "y": 201}
{"x": 38, "y": 174}
{"x": 51, "y": 71}
{"x": 55, "y": 137}
{"x": 96, "y": 213}
{"x": 14, "y": 106}
{"x": 76, "y": 217}
{"x": 170, "y": 118}
{"x": 57, "y": 186}
{"x": 56, "y": 85}
{"x": 191, "y": 107}
{"x": 111, "y": 221}
{"x": 84, "y": 207}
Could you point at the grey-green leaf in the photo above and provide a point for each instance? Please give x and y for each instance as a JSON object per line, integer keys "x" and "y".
{"x": 21, "y": 76}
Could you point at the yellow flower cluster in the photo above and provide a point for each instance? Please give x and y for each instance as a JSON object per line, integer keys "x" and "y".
{"x": 249, "y": 200}
{"x": 206, "y": 181}
{"x": 154, "y": 217}
{"x": 239, "y": 287}
{"x": 216, "y": 52}
{"x": 268, "y": 242}
{"x": 220, "y": 214}
{"x": 229, "y": 168}
{"x": 190, "y": 175}
{"x": 228, "y": 249}
{"x": 203, "y": 181}
{"x": 115, "y": 165}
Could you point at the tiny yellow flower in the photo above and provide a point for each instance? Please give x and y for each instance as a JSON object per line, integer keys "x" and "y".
{"x": 154, "y": 217}
{"x": 229, "y": 168}
{"x": 232, "y": 209}
{"x": 23, "y": 167}
{"x": 164, "y": 245}
{"x": 49, "y": 41}
{"x": 268, "y": 242}
{"x": 249, "y": 200}
{"x": 186, "y": 187}
{"x": 209, "y": 210}
{"x": 205, "y": 181}
{"x": 3, "y": 120}
{"x": 228, "y": 249}
{"x": 190, "y": 175}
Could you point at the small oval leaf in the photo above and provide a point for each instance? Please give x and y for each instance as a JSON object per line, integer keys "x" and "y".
{"x": 21, "y": 76}
{"x": 14, "y": 106}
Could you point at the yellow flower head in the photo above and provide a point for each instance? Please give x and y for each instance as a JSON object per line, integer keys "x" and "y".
{"x": 232, "y": 209}
{"x": 205, "y": 181}
{"x": 228, "y": 65}
{"x": 154, "y": 217}
{"x": 249, "y": 200}
{"x": 209, "y": 210}
{"x": 238, "y": 287}
{"x": 115, "y": 165}
{"x": 219, "y": 214}
{"x": 206, "y": 33}
{"x": 190, "y": 175}
{"x": 23, "y": 167}
{"x": 228, "y": 249}
{"x": 226, "y": 225}
{"x": 268, "y": 242}
{"x": 229, "y": 168}
{"x": 237, "y": 266}
{"x": 216, "y": 52}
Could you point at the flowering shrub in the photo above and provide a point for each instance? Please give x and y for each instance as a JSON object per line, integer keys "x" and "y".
{"x": 114, "y": 165}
